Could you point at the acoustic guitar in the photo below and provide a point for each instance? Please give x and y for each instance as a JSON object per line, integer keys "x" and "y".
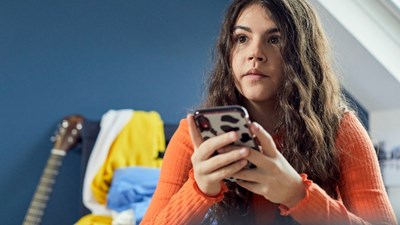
{"x": 66, "y": 137}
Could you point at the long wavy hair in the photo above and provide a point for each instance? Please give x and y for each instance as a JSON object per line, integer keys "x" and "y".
{"x": 310, "y": 102}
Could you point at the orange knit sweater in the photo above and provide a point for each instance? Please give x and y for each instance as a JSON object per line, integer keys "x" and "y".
{"x": 177, "y": 199}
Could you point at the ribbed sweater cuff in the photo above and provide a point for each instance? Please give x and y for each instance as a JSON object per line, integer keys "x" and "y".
{"x": 214, "y": 199}
{"x": 317, "y": 207}
{"x": 285, "y": 211}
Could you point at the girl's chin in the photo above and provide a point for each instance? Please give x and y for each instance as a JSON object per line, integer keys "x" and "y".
{"x": 255, "y": 95}
{"x": 258, "y": 99}
{"x": 260, "y": 96}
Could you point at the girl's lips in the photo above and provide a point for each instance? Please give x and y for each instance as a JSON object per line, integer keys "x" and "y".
{"x": 255, "y": 73}
{"x": 254, "y": 77}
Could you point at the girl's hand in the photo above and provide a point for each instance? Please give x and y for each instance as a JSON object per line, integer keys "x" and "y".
{"x": 210, "y": 170}
{"x": 274, "y": 178}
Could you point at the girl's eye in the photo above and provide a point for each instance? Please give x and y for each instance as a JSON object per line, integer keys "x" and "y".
{"x": 274, "y": 40}
{"x": 241, "y": 39}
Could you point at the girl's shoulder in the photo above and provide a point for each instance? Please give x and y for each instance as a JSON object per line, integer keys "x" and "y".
{"x": 350, "y": 121}
{"x": 351, "y": 131}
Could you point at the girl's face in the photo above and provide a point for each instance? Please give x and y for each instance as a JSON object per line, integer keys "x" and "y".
{"x": 256, "y": 59}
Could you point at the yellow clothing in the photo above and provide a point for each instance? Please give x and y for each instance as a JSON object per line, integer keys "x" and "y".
{"x": 139, "y": 143}
{"x": 94, "y": 220}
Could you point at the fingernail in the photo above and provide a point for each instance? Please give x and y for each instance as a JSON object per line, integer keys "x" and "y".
{"x": 257, "y": 126}
{"x": 232, "y": 135}
{"x": 243, "y": 151}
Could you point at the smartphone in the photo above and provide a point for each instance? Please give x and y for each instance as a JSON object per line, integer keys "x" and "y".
{"x": 218, "y": 120}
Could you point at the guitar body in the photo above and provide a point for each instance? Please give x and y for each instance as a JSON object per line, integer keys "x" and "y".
{"x": 66, "y": 138}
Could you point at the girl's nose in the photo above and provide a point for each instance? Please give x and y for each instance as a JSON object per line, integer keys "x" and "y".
{"x": 257, "y": 54}
{"x": 257, "y": 58}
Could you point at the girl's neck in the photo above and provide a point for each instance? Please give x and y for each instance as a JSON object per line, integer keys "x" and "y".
{"x": 264, "y": 114}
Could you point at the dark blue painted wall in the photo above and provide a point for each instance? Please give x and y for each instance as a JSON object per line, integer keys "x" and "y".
{"x": 64, "y": 57}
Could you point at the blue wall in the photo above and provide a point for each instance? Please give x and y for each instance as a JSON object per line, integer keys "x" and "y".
{"x": 63, "y": 57}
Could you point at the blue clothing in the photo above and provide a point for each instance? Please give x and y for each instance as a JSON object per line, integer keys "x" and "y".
{"x": 132, "y": 188}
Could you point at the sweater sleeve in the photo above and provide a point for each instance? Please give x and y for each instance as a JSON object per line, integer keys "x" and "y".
{"x": 177, "y": 199}
{"x": 361, "y": 188}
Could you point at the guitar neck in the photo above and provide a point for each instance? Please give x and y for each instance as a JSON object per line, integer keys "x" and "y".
{"x": 44, "y": 188}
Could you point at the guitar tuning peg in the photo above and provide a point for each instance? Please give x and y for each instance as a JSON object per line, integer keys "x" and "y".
{"x": 70, "y": 139}
{"x": 65, "y": 123}
{"x": 79, "y": 126}
{"x": 53, "y": 138}
{"x": 74, "y": 132}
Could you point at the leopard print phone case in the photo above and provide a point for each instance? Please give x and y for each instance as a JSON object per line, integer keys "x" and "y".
{"x": 218, "y": 120}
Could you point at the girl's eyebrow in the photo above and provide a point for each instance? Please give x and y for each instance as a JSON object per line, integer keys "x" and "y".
{"x": 269, "y": 31}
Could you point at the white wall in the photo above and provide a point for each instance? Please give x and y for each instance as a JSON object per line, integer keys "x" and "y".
{"x": 362, "y": 33}
{"x": 385, "y": 127}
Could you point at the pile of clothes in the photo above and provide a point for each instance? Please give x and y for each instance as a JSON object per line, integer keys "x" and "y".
{"x": 123, "y": 167}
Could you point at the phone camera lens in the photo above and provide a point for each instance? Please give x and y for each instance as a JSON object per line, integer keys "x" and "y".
{"x": 204, "y": 124}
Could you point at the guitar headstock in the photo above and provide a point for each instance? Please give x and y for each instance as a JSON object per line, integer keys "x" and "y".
{"x": 68, "y": 133}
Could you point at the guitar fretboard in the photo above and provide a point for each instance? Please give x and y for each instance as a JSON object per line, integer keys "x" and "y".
{"x": 45, "y": 187}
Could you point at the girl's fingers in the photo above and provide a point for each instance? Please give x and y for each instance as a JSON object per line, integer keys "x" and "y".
{"x": 228, "y": 171}
{"x": 260, "y": 159}
{"x": 194, "y": 133}
{"x": 211, "y": 145}
{"x": 251, "y": 186}
{"x": 227, "y": 148}
{"x": 222, "y": 160}
{"x": 248, "y": 175}
{"x": 265, "y": 140}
